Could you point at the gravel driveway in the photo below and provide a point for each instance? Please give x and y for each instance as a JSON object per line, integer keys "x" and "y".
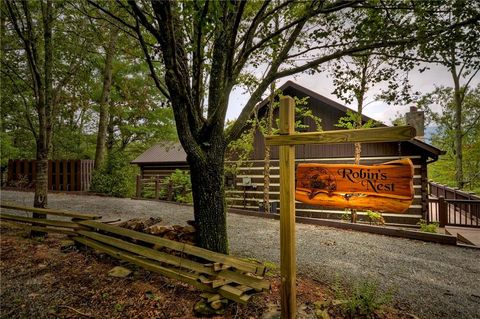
{"x": 429, "y": 280}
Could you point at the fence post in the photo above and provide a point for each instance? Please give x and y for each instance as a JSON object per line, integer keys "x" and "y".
{"x": 287, "y": 212}
{"x": 139, "y": 186}
{"x": 170, "y": 191}
{"x": 442, "y": 211}
{"x": 157, "y": 185}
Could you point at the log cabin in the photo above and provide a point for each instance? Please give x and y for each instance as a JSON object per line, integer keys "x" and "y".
{"x": 245, "y": 189}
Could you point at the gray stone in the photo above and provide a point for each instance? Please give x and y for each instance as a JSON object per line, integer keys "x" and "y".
{"x": 119, "y": 272}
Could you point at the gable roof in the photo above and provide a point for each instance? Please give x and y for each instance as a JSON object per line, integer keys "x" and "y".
{"x": 169, "y": 152}
{"x": 433, "y": 151}
{"x": 166, "y": 152}
{"x": 314, "y": 95}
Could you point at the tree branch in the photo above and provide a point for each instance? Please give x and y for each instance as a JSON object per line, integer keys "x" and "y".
{"x": 245, "y": 115}
{"x": 110, "y": 14}
{"x": 25, "y": 104}
{"x": 161, "y": 87}
{"x": 197, "y": 84}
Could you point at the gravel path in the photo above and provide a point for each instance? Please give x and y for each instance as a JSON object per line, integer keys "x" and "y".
{"x": 430, "y": 280}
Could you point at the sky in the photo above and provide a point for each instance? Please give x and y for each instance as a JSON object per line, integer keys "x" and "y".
{"x": 423, "y": 82}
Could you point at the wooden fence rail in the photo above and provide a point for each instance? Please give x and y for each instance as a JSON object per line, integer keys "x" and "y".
{"x": 454, "y": 212}
{"x": 219, "y": 275}
{"x": 451, "y": 206}
{"x": 437, "y": 190}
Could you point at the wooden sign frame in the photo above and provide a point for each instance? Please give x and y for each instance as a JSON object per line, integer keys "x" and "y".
{"x": 287, "y": 141}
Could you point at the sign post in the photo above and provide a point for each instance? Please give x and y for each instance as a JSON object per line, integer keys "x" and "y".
{"x": 287, "y": 141}
{"x": 288, "y": 254}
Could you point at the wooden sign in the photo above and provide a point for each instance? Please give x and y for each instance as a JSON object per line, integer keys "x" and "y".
{"x": 386, "y": 187}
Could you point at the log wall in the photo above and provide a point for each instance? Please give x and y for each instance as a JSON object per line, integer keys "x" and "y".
{"x": 251, "y": 197}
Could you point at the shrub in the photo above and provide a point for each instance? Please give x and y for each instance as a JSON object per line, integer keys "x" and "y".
{"x": 365, "y": 299}
{"x": 181, "y": 187}
{"x": 115, "y": 178}
{"x": 346, "y": 216}
{"x": 427, "y": 227}
{"x": 375, "y": 218}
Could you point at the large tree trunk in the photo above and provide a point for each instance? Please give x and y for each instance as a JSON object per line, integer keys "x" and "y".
{"x": 110, "y": 143}
{"x": 209, "y": 199}
{"x": 41, "y": 182}
{"x": 458, "y": 130}
{"x": 104, "y": 101}
{"x": 45, "y": 109}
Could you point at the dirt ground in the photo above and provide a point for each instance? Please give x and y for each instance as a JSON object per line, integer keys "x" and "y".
{"x": 39, "y": 279}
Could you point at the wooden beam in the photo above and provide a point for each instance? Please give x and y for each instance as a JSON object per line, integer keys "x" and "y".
{"x": 37, "y": 221}
{"x": 177, "y": 274}
{"x": 182, "y": 247}
{"x": 149, "y": 252}
{"x": 234, "y": 294}
{"x": 42, "y": 229}
{"x": 46, "y": 211}
{"x": 287, "y": 211}
{"x": 368, "y": 135}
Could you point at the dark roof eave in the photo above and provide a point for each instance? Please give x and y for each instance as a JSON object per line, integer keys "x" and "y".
{"x": 434, "y": 152}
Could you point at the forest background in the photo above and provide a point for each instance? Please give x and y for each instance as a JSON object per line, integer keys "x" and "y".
{"x": 107, "y": 106}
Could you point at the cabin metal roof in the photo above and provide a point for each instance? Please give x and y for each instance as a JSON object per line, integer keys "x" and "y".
{"x": 166, "y": 152}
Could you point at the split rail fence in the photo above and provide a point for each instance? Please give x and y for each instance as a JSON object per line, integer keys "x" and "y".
{"x": 452, "y": 207}
{"x": 219, "y": 276}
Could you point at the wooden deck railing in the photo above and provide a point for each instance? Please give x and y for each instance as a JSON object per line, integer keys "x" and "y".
{"x": 447, "y": 192}
{"x": 454, "y": 212}
{"x": 452, "y": 206}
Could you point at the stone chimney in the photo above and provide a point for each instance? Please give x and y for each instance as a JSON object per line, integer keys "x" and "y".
{"x": 416, "y": 119}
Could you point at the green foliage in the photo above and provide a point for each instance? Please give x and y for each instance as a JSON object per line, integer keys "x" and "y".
{"x": 443, "y": 171}
{"x": 428, "y": 227}
{"x": 115, "y": 178}
{"x": 375, "y": 217}
{"x": 238, "y": 151}
{"x": 346, "y": 216}
{"x": 8, "y": 150}
{"x": 354, "y": 76}
{"x": 365, "y": 299}
{"x": 272, "y": 268}
{"x": 351, "y": 119}
{"x": 119, "y": 307}
{"x": 303, "y": 115}
{"x": 398, "y": 119}
{"x": 181, "y": 187}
